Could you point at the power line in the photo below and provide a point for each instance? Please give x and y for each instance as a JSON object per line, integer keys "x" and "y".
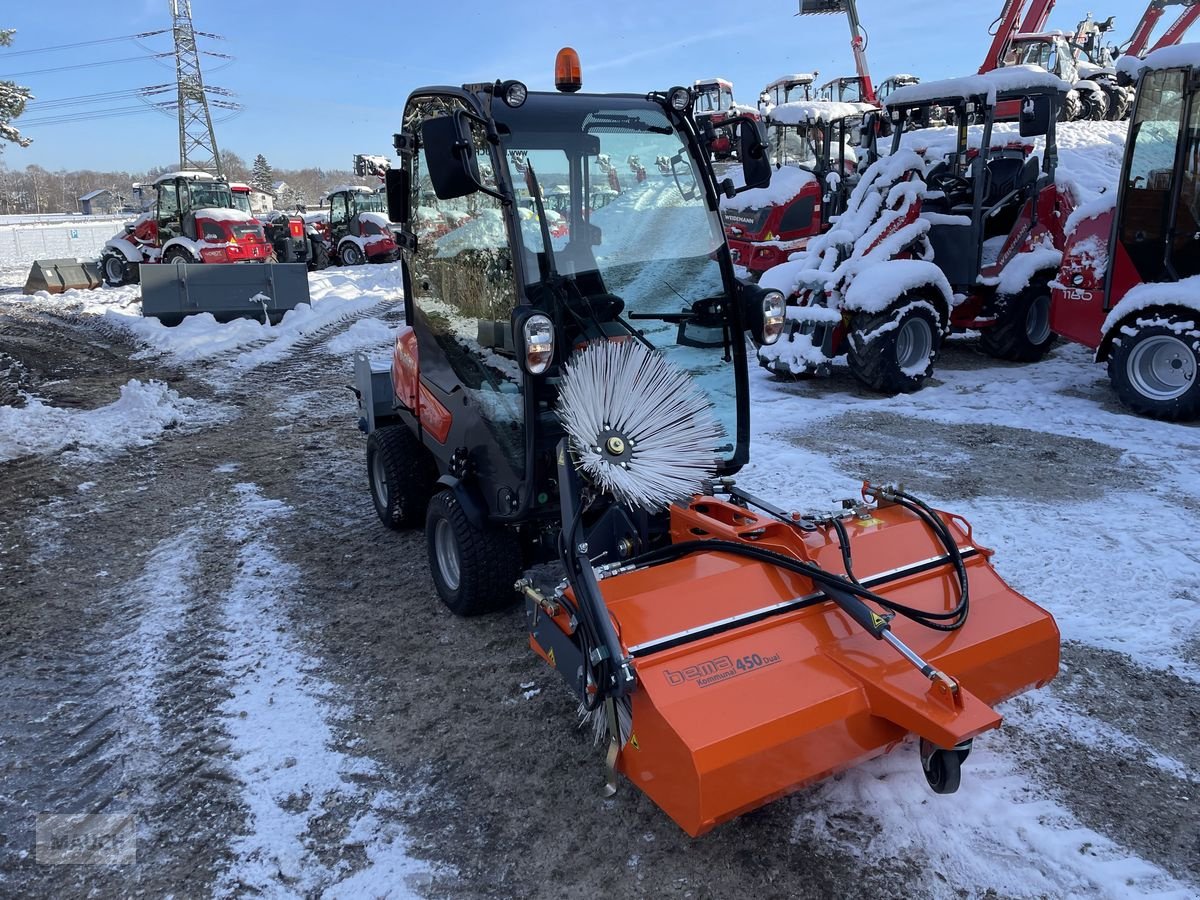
{"x": 8, "y": 54}
{"x": 106, "y": 62}
{"x": 36, "y": 107}
{"x": 114, "y": 112}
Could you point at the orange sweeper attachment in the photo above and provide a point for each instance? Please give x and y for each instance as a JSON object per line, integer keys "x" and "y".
{"x": 572, "y": 390}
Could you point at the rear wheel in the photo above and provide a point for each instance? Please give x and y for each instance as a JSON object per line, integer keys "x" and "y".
{"x": 1154, "y": 371}
{"x": 115, "y": 269}
{"x": 474, "y": 569}
{"x": 1072, "y": 107}
{"x": 1021, "y": 332}
{"x": 401, "y": 474}
{"x": 351, "y": 254}
{"x": 319, "y": 257}
{"x": 893, "y": 351}
{"x": 1118, "y": 103}
{"x": 1094, "y": 105}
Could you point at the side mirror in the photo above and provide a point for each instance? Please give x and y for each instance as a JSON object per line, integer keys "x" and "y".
{"x": 450, "y": 156}
{"x": 752, "y": 149}
{"x": 396, "y": 184}
{"x": 1036, "y": 114}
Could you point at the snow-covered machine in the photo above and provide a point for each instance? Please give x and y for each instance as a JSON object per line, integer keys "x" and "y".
{"x": 785, "y": 89}
{"x": 583, "y": 401}
{"x": 1129, "y": 285}
{"x": 970, "y": 243}
{"x": 714, "y": 105}
{"x": 356, "y": 229}
{"x": 193, "y": 220}
{"x": 286, "y": 232}
{"x": 810, "y": 143}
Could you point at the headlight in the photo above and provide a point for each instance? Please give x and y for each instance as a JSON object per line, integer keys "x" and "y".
{"x": 680, "y": 98}
{"x": 773, "y": 316}
{"x": 513, "y": 93}
{"x": 538, "y": 334}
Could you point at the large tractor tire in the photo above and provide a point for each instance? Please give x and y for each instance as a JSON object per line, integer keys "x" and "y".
{"x": 178, "y": 255}
{"x": 474, "y": 569}
{"x": 319, "y": 257}
{"x": 402, "y": 476}
{"x": 1156, "y": 370}
{"x": 892, "y": 352}
{"x": 1021, "y": 332}
{"x": 116, "y": 269}
{"x": 1093, "y": 105}
{"x": 350, "y": 254}
{"x": 1072, "y": 108}
{"x": 1118, "y": 102}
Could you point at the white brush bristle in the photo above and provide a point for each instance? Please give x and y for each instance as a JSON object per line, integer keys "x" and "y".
{"x": 596, "y": 720}
{"x": 628, "y": 388}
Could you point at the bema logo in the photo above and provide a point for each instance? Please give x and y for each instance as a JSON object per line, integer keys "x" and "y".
{"x": 705, "y": 669}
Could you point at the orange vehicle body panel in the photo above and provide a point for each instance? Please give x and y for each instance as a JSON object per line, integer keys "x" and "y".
{"x": 411, "y": 392}
{"x": 725, "y": 723}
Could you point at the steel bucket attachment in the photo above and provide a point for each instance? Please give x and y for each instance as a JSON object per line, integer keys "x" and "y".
{"x": 57, "y": 275}
{"x": 752, "y": 682}
{"x": 171, "y": 291}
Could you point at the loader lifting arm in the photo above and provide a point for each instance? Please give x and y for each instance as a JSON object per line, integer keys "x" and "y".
{"x": 1007, "y": 28}
{"x": 858, "y": 37}
{"x": 1140, "y": 39}
{"x": 1174, "y": 34}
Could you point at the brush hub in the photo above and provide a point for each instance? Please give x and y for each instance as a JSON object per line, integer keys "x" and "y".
{"x": 617, "y": 447}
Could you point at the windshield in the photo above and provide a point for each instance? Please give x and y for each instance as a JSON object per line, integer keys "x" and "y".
{"x": 209, "y": 195}
{"x": 713, "y": 98}
{"x": 628, "y": 227}
{"x": 368, "y": 202}
{"x": 241, "y": 200}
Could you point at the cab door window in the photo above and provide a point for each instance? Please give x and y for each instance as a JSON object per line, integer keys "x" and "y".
{"x": 464, "y": 292}
{"x": 338, "y": 211}
{"x": 168, "y": 211}
{"x": 1155, "y": 137}
{"x": 1185, "y": 249}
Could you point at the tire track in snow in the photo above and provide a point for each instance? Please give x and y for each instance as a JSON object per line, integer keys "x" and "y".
{"x": 282, "y": 752}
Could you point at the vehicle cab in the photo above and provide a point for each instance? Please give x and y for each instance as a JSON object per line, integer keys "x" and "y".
{"x": 359, "y": 230}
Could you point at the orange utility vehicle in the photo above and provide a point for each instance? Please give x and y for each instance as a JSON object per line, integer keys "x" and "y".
{"x": 585, "y": 399}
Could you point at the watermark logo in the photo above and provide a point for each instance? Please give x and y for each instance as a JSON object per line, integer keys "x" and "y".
{"x": 82, "y": 839}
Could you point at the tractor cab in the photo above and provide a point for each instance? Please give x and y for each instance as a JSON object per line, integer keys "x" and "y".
{"x": 181, "y": 196}
{"x": 1130, "y": 279}
{"x": 977, "y": 198}
{"x": 842, "y": 90}
{"x": 810, "y": 143}
{"x": 714, "y": 105}
{"x": 891, "y": 84}
{"x": 241, "y": 197}
{"x": 358, "y": 227}
{"x": 537, "y": 266}
{"x": 786, "y": 89}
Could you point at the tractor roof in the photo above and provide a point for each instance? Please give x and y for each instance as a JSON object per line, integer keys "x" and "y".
{"x": 705, "y": 82}
{"x": 1176, "y": 57}
{"x": 240, "y": 186}
{"x": 188, "y": 174}
{"x": 1042, "y": 37}
{"x": 350, "y": 188}
{"x": 800, "y": 112}
{"x": 799, "y": 78}
{"x": 1010, "y": 81}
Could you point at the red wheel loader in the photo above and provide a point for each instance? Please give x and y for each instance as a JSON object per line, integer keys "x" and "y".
{"x": 1129, "y": 285}
{"x": 969, "y": 243}
{"x": 583, "y": 402}
{"x": 356, "y": 230}
{"x": 194, "y": 220}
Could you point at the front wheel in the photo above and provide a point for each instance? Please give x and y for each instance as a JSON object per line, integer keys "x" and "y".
{"x": 177, "y": 255}
{"x": 892, "y": 352}
{"x": 115, "y": 269}
{"x": 319, "y": 257}
{"x": 474, "y": 569}
{"x": 1154, "y": 371}
{"x": 351, "y": 254}
{"x": 1021, "y": 332}
{"x": 1094, "y": 105}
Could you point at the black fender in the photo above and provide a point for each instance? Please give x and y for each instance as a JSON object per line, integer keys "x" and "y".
{"x": 471, "y": 504}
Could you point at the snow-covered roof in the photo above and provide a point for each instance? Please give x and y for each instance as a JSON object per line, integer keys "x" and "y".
{"x": 803, "y": 111}
{"x": 92, "y": 195}
{"x": 703, "y": 82}
{"x": 904, "y": 78}
{"x": 1008, "y": 80}
{"x": 1167, "y": 58}
{"x": 190, "y": 174}
{"x": 1038, "y": 36}
{"x": 792, "y": 80}
{"x": 240, "y": 186}
{"x": 1088, "y": 70}
{"x": 350, "y": 188}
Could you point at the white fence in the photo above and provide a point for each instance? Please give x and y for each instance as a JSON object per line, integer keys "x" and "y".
{"x": 80, "y": 236}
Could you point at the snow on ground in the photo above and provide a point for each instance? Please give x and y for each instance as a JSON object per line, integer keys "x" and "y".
{"x": 135, "y": 419}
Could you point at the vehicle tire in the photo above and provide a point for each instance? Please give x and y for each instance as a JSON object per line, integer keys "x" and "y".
{"x": 473, "y": 569}
{"x": 1156, "y": 370}
{"x": 1022, "y": 329}
{"x": 177, "y": 255}
{"x": 892, "y": 352}
{"x": 944, "y": 773}
{"x": 401, "y": 474}
{"x": 350, "y": 254}
{"x": 1118, "y": 103}
{"x": 115, "y": 269}
{"x": 319, "y": 258}
{"x": 1072, "y": 107}
{"x": 1093, "y": 105}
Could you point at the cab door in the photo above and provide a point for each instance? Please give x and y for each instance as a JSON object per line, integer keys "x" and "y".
{"x": 167, "y": 212}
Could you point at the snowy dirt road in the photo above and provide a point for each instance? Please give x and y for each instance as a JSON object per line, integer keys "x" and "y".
{"x": 205, "y": 627}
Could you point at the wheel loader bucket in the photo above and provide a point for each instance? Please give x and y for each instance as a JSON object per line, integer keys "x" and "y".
{"x": 57, "y": 275}
{"x": 171, "y": 291}
{"x": 752, "y": 683}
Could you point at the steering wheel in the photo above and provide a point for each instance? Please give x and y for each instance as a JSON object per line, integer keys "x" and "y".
{"x": 949, "y": 184}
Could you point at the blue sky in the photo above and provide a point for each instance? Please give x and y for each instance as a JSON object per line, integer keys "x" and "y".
{"x": 319, "y": 85}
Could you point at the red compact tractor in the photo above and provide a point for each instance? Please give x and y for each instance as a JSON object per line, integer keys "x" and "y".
{"x": 972, "y": 243}
{"x": 810, "y": 145}
{"x": 714, "y": 105}
{"x": 286, "y": 232}
{"x": 1129, "y": 286}
{"x": 357, "y": 229}
{"x": 194, "y": 220}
